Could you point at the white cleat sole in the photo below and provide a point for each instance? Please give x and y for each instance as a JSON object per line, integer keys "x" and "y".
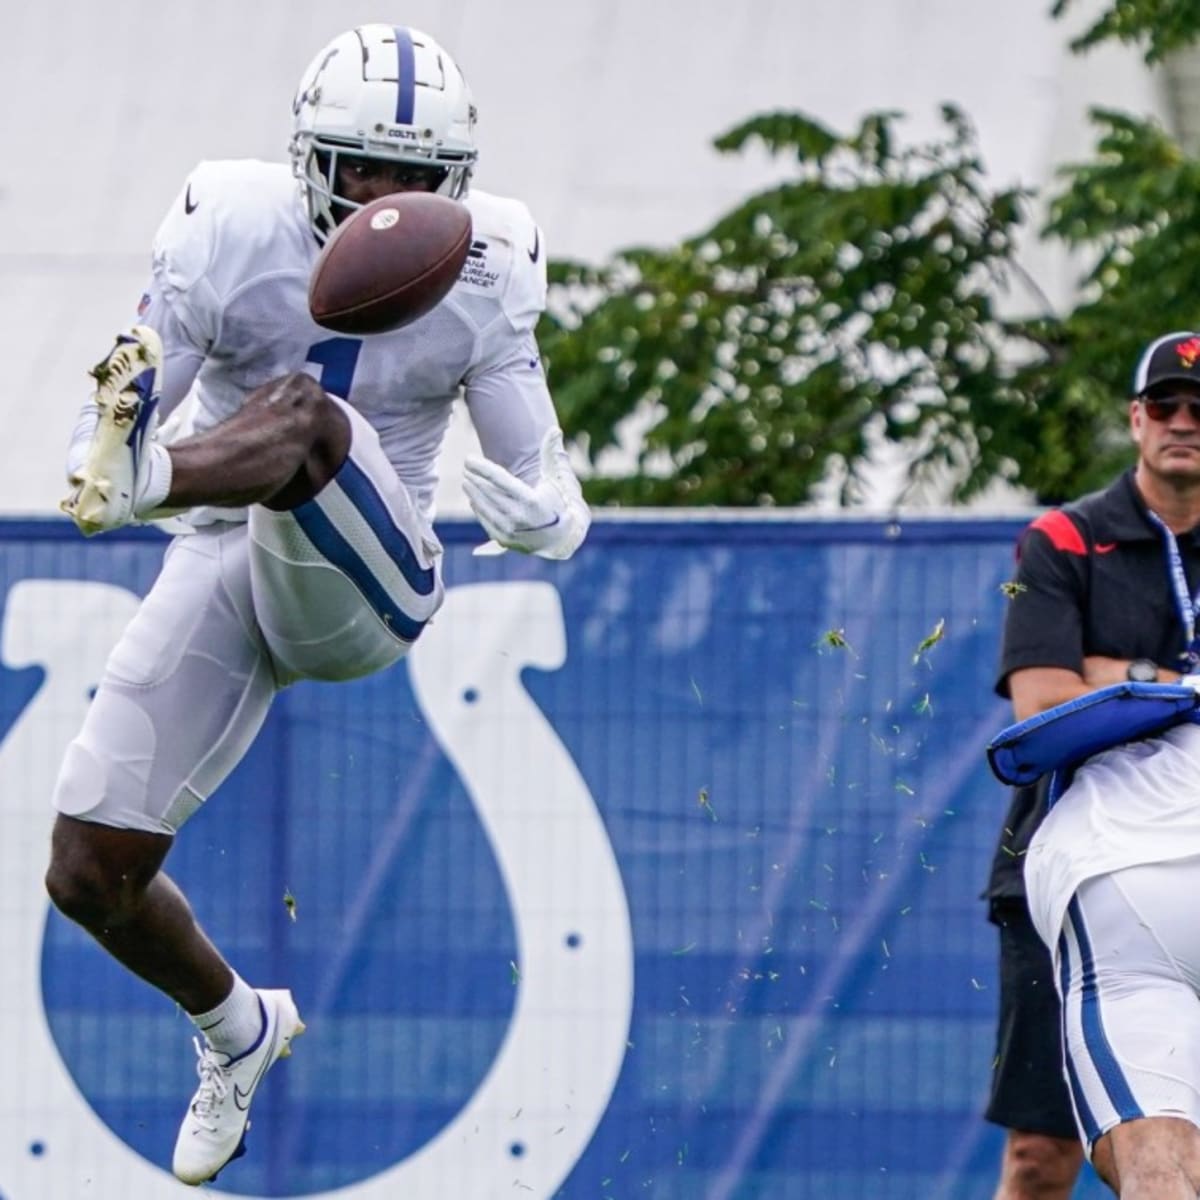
{"x": 100, "y": 495}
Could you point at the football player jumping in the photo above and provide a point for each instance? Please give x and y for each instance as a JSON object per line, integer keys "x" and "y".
{"x": 307, "y": 482}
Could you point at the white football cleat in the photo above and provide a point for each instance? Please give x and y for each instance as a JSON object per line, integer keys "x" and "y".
{"x": 107, "y": 485}
{"x": 213, "y": 1132}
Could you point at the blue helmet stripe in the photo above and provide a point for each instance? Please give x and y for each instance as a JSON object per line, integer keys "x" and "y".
{"x": 406, "y": 74}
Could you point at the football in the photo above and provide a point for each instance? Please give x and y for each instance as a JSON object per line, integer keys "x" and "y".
{"x": 389, "y": 263}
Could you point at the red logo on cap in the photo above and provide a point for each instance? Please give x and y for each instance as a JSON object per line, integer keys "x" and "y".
{"x": 1188, "y": 351}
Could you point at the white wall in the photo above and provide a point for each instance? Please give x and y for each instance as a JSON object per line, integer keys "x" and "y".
{"x": 598, "y": 113}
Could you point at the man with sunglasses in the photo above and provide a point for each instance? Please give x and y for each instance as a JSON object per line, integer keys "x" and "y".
{"x": 1106, "y": 590}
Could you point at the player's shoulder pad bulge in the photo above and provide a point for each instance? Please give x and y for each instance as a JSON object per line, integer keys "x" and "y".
{"x": 231, "y": 223}
{"x": 507, "y": 259}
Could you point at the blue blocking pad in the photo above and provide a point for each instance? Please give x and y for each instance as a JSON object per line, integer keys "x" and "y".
{"x": 1063, "y": 736}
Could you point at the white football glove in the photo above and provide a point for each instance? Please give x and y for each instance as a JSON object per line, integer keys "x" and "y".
{"x": 549, "y": 519}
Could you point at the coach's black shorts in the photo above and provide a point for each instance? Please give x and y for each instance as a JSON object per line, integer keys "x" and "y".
{"x": 1028, "y": 1089}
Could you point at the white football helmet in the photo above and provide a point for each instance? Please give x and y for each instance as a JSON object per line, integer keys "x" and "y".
{"x": 386, "y": 92}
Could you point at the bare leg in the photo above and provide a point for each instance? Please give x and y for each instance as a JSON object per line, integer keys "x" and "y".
{"x": 108, "y": 880}
{"x": 1155, "y": 1158}
{"x": 279, "y": 450}
{"x": 1038, "y": 1167}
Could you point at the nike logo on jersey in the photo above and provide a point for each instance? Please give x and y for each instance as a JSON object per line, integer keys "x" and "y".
{"x": 1104, "y": 547}
{"x": 537, "y": 243}
{"x": 188, "y": 206}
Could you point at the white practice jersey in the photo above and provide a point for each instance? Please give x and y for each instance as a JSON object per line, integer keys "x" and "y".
{"x": 1134, "y": 804}
{"x": 229, "y": 297}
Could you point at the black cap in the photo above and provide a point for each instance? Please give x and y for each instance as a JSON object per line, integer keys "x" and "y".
{"x": 1172, "y": 358}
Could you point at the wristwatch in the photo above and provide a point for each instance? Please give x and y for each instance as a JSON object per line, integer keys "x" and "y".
{"x": 1142, "y": 670}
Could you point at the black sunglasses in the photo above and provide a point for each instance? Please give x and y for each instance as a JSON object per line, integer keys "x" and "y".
{"x": 1164, "y": 410}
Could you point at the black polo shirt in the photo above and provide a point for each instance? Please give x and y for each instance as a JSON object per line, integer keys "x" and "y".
{"x": 1092, "y": 578}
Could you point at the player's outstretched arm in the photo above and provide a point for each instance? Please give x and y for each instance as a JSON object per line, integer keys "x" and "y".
{"x": 548, "y": 518}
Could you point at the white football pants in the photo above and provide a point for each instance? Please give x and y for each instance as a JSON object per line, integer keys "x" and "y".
{"x": 338, "y": 588}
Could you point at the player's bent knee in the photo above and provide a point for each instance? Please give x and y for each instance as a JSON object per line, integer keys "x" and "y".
{"x": 97, "y": 874}
{"x": 76, "y": 895}
{"x": 330, "y": 622}
{"x": 82, "y": 892}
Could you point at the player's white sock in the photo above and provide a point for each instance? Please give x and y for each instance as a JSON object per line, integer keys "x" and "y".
{"x": 156, "y": 479}
{"x": 236, "y": 1024}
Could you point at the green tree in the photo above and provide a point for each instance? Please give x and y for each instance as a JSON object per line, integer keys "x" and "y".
{"x": 857, "y": 302}
{"x": 1135, "y": 211}
{"x": 1156, "y": 26}
{"x": 855, "y": 297}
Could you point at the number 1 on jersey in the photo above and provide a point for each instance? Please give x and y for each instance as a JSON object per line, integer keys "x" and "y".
{"x": 337, "y": 357}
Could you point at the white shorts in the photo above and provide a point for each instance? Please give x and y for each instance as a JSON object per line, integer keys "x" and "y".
{"x": 1129, "y": 980}
{"x": 344, "y": 584}
{"x": 339, "y": 588}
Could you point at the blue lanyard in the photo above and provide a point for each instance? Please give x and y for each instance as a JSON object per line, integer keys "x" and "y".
{"x": 1187, "y": 605}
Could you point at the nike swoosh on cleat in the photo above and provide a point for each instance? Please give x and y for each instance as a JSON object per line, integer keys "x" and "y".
{"x": 537, "y": 242}
{"x": 188, "y": 206}
{"x": 241, "y": 1099}
{"x": 1104, "y": 547}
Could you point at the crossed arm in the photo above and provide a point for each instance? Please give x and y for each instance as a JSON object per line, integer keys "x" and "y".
{"x": 1035, "y": 689}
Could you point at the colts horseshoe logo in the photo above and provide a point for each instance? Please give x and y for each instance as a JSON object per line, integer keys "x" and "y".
{"x": 560, "y": 1058}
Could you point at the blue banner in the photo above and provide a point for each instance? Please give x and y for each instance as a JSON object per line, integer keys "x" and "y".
{"x": 653, "y": 874}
